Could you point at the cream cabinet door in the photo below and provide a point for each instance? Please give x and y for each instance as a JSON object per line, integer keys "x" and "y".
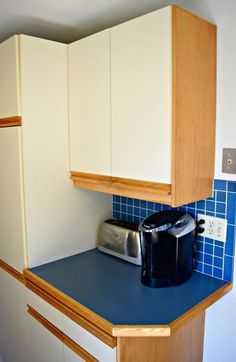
{"x": 9, "y": 78}
{"x": 14, "y": 346}
{"x": 89, "y": 104}
{"x": 70, "y": 356}
{"x": 12, "y": 230}
{"x": 44, "y": 346}
{"x": 141, "y": 101}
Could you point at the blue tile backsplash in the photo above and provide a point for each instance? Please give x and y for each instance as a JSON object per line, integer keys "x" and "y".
{"x": 212, "y": 257}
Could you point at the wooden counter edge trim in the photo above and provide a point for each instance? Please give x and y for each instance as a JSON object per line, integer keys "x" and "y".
{"x": 15, "y": 273}
{"x": 89, "y": 326}
{"x": 10, "y": 121}
{"x": 200, "y": 307}
{"x": 61, "y": 336}
{"x": 141, "y": 331}
{"x": 69, "y": 302}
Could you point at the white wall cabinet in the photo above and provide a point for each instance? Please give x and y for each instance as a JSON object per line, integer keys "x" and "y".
{"x": 163, "y": 82}
{"x": 43, "y": 217}
{"x": 89, "y": 104}
{"x": 141, "y": 97}
{"x": 9, "y": 78}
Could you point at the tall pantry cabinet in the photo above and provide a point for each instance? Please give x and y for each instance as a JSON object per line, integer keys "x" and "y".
{"x": 43, "y": 218}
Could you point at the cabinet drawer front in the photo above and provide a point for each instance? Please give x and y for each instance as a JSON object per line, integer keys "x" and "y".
{"x": 78, "y": 334}
{"x": 45, "y": 309}
{"x": 90, "y": 343}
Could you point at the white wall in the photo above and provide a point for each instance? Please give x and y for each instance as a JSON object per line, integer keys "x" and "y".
{"x": 220, "y": 332}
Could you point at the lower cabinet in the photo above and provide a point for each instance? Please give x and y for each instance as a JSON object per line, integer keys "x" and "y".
{"x": 14, "y": 338}
{"x": 79, "y": 344}
{"x": 44, "y": 346}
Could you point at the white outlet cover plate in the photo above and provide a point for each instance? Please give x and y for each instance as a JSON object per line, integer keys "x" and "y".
{"x": 215, "y": 227}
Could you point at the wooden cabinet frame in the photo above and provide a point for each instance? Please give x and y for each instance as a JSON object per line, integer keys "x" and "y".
{"x": 193, "y": 121}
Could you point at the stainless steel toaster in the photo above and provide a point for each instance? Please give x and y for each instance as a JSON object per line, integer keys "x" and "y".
{"x": 120, "y": 239}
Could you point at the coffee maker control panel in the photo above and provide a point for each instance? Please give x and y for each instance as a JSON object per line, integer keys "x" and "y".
{"x": 182, "y": 226}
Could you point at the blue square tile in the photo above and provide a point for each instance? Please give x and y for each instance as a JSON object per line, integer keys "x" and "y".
{"x": 136, "y": 219}
{"x": 221, "y": 196}
{"x": 199, "y": 266}
{"x": 230, "y": 240}
{"x": 209, "y": 241}
{"x": 208, "y": 249}
{"x": 115, "y": 215}
{"x": 219, "y": 243}
{"x": 209, "y": 213}
{"x": 136, "y": 202}
{"x": 228, "y": 268}
{"x": 200, "y": 246}
{"x": 123, "y": 200}
{"x": 217, "y": 273}
{"x": 136, "y": 211}
{"x": 201, "y": 204}
{"x": 157, "y": 207}
{"x": 130, "y": 209}
{"x": 221, "y": 216}
{"x": 231, "y": 208}
{"x": 123, "y": 208}
{"x": 116, "y": 206}
{"x": 200, "y": 238}
{"x": 218, "y": 251}
{"x": 166, "y": 207}
{"x": 200, "y": 256}
{"x": 210, "y": 206}
{"x": 232, "y": 186}
{"x": 143, "y": 204}
{"x": 208, "y": 259}
{"x": 218, "y": 262}
{"x": 220, "y": 185}
{"x": 220, "y": 207}
{"x": 143, "y": 212}
{"x": 150, "y": 205}
{"x": 182, "y": 209}
{"x": 192, "y": 205}
{"x": 213, "y": 196}
{"x": 130, "y": 201}
{"x": 207, "y": 269}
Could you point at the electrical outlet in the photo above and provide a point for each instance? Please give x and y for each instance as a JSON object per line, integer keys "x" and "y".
{"x": 215, "y": 227}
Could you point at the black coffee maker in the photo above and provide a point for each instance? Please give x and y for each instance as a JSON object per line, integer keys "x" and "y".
{"x": 167, "y": 241}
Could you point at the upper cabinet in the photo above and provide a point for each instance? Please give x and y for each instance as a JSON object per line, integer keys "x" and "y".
{"x": 10, "y": 109}
{"x": 43, "y": 217}
{"x": 89, "y": 104}
{"x": 162, "y": 117}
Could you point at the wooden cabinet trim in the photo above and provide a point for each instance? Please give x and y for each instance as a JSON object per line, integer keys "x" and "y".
{"x": 61, "y": 336}
{"x": 193, "y": 106}
{"x": 153, "y": 191}
{"x": 10, "y": 121}
{"x": 13, "y": 272}
{"x": 185, "y": 345}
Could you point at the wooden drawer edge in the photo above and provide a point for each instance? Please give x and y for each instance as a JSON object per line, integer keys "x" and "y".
{"x": 61, "y": 336}
{"x": 17, "y": 275}
{"x": 10, "y": 121}
{"x": 72, "y": 309}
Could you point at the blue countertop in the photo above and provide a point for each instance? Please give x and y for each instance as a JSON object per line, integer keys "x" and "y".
{"x": 112, "y": 288}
